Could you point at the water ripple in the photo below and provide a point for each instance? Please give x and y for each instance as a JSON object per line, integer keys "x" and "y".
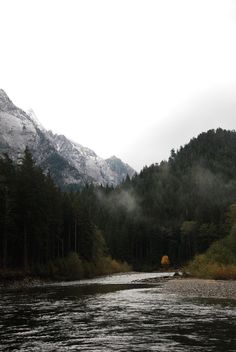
{"x": 113, "y": 314}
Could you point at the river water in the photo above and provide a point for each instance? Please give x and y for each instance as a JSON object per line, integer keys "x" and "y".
{"x": 113, "y": 313}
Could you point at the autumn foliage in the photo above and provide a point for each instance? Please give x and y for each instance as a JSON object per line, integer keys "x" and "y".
{"x": 165, "y": 261}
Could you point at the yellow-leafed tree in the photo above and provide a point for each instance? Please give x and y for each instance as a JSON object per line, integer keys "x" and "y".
{"x": 165, "y": 261}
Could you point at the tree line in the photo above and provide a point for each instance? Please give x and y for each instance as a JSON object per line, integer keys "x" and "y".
{"x": 176, "y": 208}
{"x": 38, "y": 222}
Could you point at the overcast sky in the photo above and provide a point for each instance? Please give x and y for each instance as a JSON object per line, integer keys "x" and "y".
{"x": 127, "y": 78}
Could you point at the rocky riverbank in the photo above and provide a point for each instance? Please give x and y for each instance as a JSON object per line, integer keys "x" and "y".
{"x": 182, "y": 285}
{"x": 192, "y": 287}
{"x": 174, "y": 283}
{"x": 22, "y": 283}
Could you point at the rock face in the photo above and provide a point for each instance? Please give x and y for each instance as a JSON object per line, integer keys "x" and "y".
{"x": 16, "y": 128}
{"x": 69, "y": 163}
{"x": 120, "y": 168}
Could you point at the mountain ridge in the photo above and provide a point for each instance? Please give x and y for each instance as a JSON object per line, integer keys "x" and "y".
{"x": 69, "y": 162}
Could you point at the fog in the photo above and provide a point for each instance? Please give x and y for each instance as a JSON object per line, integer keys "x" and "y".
{"x": 209, "y": 111}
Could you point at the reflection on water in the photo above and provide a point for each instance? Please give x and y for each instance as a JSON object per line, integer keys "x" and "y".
{"x": 113, "y": 314}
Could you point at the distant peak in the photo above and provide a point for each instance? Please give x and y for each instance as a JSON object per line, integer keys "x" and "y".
{"x": 5, "y": 103}
{"x": 113, "y": 157}
{"x": 3, "y": 95}
{"x": 2, "y": 92}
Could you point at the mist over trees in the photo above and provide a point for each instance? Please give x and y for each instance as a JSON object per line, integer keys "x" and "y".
{"x": 176, "y": 208}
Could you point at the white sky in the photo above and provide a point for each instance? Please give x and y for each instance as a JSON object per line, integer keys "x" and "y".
{"x": 125, "y": 78}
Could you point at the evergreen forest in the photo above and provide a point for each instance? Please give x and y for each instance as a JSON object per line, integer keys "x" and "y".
{"x": 178, "y": 208}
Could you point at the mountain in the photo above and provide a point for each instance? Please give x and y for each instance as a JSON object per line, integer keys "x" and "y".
{"x": 69, "y": 163}
{"x": 90, "y": 165}
{"x": 119, "y": 168}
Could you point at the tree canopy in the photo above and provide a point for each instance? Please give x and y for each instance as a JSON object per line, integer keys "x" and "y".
{"x": 177, "y": 208}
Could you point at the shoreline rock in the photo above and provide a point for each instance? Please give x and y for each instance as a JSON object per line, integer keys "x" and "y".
{"x": 25, "y": 282}
{"x": 157, "y": 279}
{"x": 203, "y": 288}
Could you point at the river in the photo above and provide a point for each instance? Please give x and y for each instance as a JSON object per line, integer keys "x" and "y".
{"x": 113, "y": 313}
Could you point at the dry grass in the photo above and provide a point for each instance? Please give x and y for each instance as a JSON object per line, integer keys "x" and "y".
{"x": 219, "y": 261}
{"x": 202, "y": 268}
{"x": 72, "y": 267}
{"x": 222, "y": 272}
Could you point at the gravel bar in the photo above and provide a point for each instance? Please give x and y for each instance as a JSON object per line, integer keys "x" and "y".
{"x": 201, "y": 288}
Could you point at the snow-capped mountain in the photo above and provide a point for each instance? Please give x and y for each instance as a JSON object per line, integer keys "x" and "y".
{"x": 69, "y": 163}
{"x": 17, "y": 129}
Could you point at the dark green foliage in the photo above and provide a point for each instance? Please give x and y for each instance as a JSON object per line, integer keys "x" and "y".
{"x": 219, "y": 261}
{"x": 40, "y": 224}
{"x": 177, "y": 207}
{"x": 7, "y": 206}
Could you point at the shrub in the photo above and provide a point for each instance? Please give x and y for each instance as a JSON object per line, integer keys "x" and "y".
{"x": 107, "y": 265}
{"x": 219, "y": 261}
{"x": 73, "y": 266}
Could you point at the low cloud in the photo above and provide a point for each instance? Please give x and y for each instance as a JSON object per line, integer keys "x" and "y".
{"x": 123, "y": 199}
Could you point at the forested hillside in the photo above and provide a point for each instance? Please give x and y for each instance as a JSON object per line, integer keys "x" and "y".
{"x": 176, "y": 208}
{"x": 44, "y": 230}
